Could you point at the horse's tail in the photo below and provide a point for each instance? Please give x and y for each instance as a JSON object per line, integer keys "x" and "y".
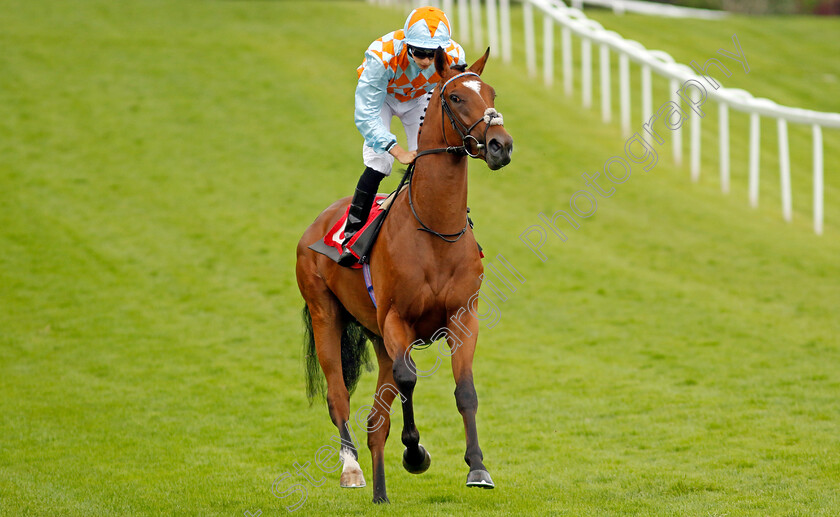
{"x": 354, "y": 355}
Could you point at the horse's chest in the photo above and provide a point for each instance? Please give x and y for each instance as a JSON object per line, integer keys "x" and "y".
{"x": 430, "y": 306}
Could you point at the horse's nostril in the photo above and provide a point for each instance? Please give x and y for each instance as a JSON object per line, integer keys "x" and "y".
{"x": 495, "y": 147}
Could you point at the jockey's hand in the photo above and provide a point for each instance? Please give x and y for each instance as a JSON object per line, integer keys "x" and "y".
{"x": 403, "y": 156}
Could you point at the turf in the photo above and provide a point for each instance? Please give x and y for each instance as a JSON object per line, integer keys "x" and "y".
{"x": 678, "y": 355}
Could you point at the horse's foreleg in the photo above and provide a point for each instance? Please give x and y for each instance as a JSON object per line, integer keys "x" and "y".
{"x": 467, "y": 401}
{"x": 379, "y": 420}
{"x": 397, "y": 338}
{"x": 415, "y": 457}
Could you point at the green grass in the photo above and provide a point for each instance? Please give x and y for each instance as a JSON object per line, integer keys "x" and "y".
{"x": 678, "y": 355}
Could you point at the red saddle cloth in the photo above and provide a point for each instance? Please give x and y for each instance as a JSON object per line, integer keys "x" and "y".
{"x": 330, "y": 245}
{"x": 362, "y": 241}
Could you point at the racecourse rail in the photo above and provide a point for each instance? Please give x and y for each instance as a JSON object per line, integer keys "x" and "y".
{"x": 468, "y": 19}
{"x": 641, "y": 7}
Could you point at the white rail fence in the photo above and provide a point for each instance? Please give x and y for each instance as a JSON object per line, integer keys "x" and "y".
{"x": 640, "y": 7}
{"x": 468, "y": 21}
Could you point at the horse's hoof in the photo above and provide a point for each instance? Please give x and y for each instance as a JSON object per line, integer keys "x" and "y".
{"x": 352, "y": 479}
{"x": 422, "y": 466}
{"x": 480, "y": 478}
{"x": 381, "y": 500}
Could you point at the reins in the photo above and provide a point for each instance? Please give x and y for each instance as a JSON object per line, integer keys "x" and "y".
{"x": 448, "y": 237}
{"x": 491, "y": 118}
{"x": 409, "y": 173}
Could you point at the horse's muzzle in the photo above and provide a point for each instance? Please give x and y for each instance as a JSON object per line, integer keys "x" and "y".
{"x": 498, "y": 150}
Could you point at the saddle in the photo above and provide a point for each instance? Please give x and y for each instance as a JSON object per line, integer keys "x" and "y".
{"x": 361, "y": 243}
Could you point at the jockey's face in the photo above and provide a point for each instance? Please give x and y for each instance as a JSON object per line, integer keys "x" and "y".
{"x": 423, "y": 62}
{"x": 423, "y": 57}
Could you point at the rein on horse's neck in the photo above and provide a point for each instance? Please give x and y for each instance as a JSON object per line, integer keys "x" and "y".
{"x": 439, "y": 182}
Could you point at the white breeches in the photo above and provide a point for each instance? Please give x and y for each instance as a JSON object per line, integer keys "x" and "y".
{"x": 410, "y": 114}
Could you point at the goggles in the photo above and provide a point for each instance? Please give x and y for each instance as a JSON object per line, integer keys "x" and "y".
{"x": 421, "y": 53}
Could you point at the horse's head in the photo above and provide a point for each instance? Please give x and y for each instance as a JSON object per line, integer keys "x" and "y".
{"x": 468, "y": 104}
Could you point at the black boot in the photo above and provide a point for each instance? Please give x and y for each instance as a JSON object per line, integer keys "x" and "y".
{"x": 359, "y": 210}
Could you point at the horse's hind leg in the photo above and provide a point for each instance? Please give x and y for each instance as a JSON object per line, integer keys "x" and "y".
{"x": 327, "y": 324}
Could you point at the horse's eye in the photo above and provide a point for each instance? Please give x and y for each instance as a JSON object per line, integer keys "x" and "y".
{"x": 454, "y": 98}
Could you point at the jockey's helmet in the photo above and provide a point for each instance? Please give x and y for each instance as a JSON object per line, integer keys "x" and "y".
{"x": 427, "y": 27}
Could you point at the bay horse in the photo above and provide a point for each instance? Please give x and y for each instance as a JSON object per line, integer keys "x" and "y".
{"x": 423, "y": 282}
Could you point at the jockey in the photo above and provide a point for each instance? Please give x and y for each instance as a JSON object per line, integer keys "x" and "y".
{"x": 395, "y": 79}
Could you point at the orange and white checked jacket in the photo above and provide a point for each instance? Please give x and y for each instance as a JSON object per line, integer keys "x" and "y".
{"x": 388, "y": 70}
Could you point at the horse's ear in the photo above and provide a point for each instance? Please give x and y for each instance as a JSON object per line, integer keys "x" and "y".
{"x": 478, "y": 66}
{"x": 441, "y": 65}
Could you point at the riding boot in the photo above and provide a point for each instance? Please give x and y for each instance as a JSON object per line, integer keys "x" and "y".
{"x": 359, "y": 210}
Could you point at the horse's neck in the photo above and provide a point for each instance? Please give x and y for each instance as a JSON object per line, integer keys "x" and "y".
{"x": 439, "y": 186}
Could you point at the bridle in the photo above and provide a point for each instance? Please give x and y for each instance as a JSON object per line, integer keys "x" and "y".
{"x": 491, "y": 117}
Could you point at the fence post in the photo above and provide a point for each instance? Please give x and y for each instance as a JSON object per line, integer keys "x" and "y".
{"x": 676, "y": 143}
{"x": 492, "y": 28}
{"x": 723, "y": 116}
{"x": 647, "y": 95}
{"x": 755, "y": 157}
{"x": 447, "y": 8}
{"x": 695, "y": 141}
{"x": 475, "y": 7}
{"x": 618, "y": 7}
{"x": 548, "y": 50}
{"x": 504, "y": 12}
{"x": 784, "y": 169}
{"x": 624, "y": 91}
{"x": 464, "y": 21}
{"x": 567, "y": 59}
{"x": 530, "y": 44}
{"x": 818, "y": 179}
{"x": 586, "y": 71}
{"x": 606, "y": 102}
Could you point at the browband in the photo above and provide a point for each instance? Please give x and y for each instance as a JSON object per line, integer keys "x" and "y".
{"x": 462, "y": 74}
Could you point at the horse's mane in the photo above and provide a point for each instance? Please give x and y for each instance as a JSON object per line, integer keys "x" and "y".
{"x": 459, "y": 68}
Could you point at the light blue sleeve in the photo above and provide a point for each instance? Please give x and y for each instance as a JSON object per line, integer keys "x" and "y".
{"x": 370, "y": 97}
